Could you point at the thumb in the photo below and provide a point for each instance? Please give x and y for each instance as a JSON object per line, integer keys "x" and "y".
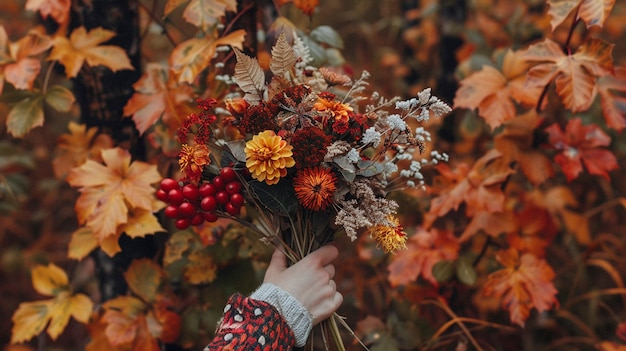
{"x": 278, "y": 263}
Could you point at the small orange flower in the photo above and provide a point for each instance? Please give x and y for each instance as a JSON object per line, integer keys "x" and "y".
{"x": 192, "y": 159}
{"x": 315, "y": 187}
{"x": 336, "y": 109}
{"x": 391, "y": 238}
{"x": 268, "y": 156}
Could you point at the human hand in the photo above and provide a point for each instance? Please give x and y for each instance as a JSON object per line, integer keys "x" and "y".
{"x": 309, "y": 280}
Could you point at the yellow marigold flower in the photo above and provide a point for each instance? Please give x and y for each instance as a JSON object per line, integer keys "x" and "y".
{"x": 192, "y": 159}
{"x": 390, "y": 238}
{"x": 336, "y": 109}
{"x": 315, "y": 187}
{"x": 268, "y": 156}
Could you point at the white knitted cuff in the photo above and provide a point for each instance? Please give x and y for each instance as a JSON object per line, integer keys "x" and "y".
{"x": 295, "y": 314}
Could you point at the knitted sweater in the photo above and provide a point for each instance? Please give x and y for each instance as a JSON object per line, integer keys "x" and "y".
{"x": 264, "y": 321}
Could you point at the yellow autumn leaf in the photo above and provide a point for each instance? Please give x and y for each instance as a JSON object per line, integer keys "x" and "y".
{"x": 83, "y": 46}
{"x": 109, "y": 191}
{"x": 82, "y": 243}
{"x": 141, "y": 223}
{"x": 77, "y": 146}
{"x": 29, "y": 320}
{"x": 49, "y": 280}
{"x": 192, "y": 56}
{"x": 144, "y": 277}
{"x": 201, "y": 269}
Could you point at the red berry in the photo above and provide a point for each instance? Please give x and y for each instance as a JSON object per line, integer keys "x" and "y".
{"x": 161, "y": 195}
{"x": 182, "y": 223}
{"x": 233, "y": 187}
{"x": 210, "y": 216}
{"x": 231, "y": 209}
{"x": 171, "y": 211}
{"x": 208, "y": 204}
{"x": 237, "y": 200}
{"x": 197, "y": 219}
{"x": 222, "y": 197}
{"x": 191, "y": 193}
{"x": 218, "y": 182}
{"x": 175, "y": 196}
{"x": 228, "y": 174}
{"x": 168, "y": 184}
{"x": 186, "y": 209}
{"x": 206, "y": 189}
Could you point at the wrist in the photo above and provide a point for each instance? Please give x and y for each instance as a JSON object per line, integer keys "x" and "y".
{"x": 295, "y": 314}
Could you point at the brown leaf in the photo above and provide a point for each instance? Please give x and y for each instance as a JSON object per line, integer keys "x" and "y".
{"x": 207, "y": 13}
{"x": 592, "y": 12}
{"x": 612, "y": 90}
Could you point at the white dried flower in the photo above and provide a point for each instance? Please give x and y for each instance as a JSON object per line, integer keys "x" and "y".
{"x": 396, "y": 122}
{"x": 372, "y": 136}
{"x": 353, "y": 156}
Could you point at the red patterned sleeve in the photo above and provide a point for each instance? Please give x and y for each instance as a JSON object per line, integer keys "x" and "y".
{"x": 251, "y": 325}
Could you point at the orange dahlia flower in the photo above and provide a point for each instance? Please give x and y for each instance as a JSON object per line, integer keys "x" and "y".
{"x": 192, "y": 159}
{"x": 336, "y": 109}
{"x": 391, "y": 238}
{"x": 315, "y": 187}
{"x": 268, "y": 156}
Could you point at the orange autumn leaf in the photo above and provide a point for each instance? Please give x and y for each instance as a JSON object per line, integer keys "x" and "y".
{"x": 201, "y": 268}
{"x": 157, "y": 98}
{"x": 110, "y": 190}
{"x": 59, "y": 10}
{"x": 516, "y": 143}
{"x": 492, "y": 223}
{"x": 581, "y": 144}
{"x": 524, "y": 283}
{"x": 563, "y": 205}
{"x": 84, "y": 47}
{"x": 424, "y": 249}
{"x": 17, "y": 66}
{"x": 493, "y": 92}
{"x": 479, "y": 187}
{"x": 192, "y": 56}
{"x": 612, "y": 91}
{"x": 574, "y": 74}
{"x": 77, "y": 146}
{"x": 32, "y": 318}
{"x": 592, "y": 12}
{"x": 306, "y": 6}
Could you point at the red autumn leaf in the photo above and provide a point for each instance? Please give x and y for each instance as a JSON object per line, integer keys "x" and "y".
{"x": 524, "y": 283}
{"x": 592, "y": 12}
{"x": 83, "y": 46}
{"x": 424, "y": 249}
{"x": 59, "y": 10}
{"x": 562, "y": 204}
{"x": 574, "y": 74}
{"x": 612, "y": 91}
{"x": 110, "y": 191}
{"x": 478, "y": 187}
{"x": 493, "y": 92}
{"x": 536, "y": 228}
{"x": 492, "y": 223}
{"x": 306, "y": 6}
{"x": 516, "y": 143}
{"x": 579, "y": 145}
{"x": 156, "y": 97}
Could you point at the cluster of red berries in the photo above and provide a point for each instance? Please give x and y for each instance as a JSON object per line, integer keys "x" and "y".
{"x": 191, "y": 204}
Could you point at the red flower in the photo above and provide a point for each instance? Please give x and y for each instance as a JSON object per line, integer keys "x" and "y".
{"x": 315, "y": 187}
{"x": 581, "y": 144}
{"x": 309, "y": 146}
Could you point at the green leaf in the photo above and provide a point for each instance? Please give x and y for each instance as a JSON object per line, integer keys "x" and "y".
{"x": 369, "y": 168}
{"x": 13, "y": 96}
{"x": 144, "y": 277}
{"x": 60, "y": 98}
{"x": 327, "y": 35}
{"x": 279, "y": 197}
{"x": 443, "y": 270}
{"x": 465, "y": 271}
{"x": 26, "y": 115}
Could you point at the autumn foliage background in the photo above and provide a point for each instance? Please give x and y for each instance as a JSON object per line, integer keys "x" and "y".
{"x": 517, "y": 243}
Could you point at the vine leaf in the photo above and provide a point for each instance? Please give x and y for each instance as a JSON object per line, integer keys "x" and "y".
{"x": 250, "y": 77}
{"x": 424, "y": 250}
{"x": 31, "y": 318}
{"x": 283, "y": 58}
{"x": 157, "y": 98}
{"x": 524, "y": 283}
{"x": 110, "y": 191}
{"x": 612, "y": 91}
{"x": 192, "y": 56}
{"x": 580, "y": 144}
{"x": 83, "y": 46}
{"x": 592, "y": 12}
{"x": 574, "y": 75}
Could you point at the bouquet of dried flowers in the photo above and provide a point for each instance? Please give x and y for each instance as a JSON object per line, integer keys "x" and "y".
{"x": 306, "y": 155}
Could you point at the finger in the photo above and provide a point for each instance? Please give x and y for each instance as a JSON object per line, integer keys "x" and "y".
{"x": 324, "y": 254}
{"x": 278, "y": 263}
{"x": 333, "y": 285}
{"x": 331, "y": 270}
